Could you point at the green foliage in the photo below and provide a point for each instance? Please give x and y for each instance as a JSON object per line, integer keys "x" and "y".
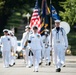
{"x": 8, "y": 8}
{"x": 69, "y": 12}
{"x": 72, "y": 42}
{"x": 1, "y": 5}
{"x": 14, "y": 20}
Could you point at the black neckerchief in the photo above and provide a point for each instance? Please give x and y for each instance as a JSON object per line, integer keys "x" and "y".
{"x": 57, "y": 33}
{"x": 57, "y": 28}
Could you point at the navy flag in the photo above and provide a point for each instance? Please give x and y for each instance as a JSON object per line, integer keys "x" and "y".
{"x": 45, "y": 12}
{"x": 54, "y": 15}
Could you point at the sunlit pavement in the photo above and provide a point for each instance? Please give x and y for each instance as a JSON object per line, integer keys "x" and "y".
{"x": 20, "y": 69}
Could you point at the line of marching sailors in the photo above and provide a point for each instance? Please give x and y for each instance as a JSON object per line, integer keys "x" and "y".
{"x": 9, "y": 47}
{"x": 39, "y": 47}
{"x": 36, "y": 48}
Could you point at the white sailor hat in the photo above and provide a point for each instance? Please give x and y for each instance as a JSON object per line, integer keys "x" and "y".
{"x": 45, "y": 32}
{"x": 12, "y": 33}
{"x": 5, "y": 30}
{"x": 9, "y": 31}
{"x": 57, "y": 21}
{"x": 27, "y": 27}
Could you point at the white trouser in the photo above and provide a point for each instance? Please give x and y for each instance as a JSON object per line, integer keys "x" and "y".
{"x": 40, "y": 59}
{"x": 47, "y": 55}
{"x": 58, "y": 55}
{"x": 26, "y": 55}
{"x": 43, "y": 51}
{"x": 36, "y": 58}
{"x": 13, "y": 58}
{"x": 6, "y": 58}
{"x": 30, "y": 60}
{"x": 63, "y": 58}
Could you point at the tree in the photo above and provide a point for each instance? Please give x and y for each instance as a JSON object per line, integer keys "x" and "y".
{"x": 8, "y": 7}
{"x": 69, "y": 12}
{"x": 1, "y": 5}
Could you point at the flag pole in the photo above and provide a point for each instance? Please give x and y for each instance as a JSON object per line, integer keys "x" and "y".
{"x": 50, "y": 16}
{"x": 51, "y": 24}
{"x": 44, "y": 13}
{"x": 51, "y": 20}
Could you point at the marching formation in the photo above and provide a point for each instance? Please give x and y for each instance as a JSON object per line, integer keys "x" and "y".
{"x": 36, "y": 48}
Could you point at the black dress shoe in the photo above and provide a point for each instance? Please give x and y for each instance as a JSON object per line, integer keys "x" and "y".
{"x": 10, "y": 65}
{"x": 58, "y": 70}
{"x": 36, "y": 71}
{"x": 13, "y": 63}
{"x": 40, "y": 63}
{"x": 30, "y": 66}
{"x": 64, "y": 65}
{"x": 49, "y": 63}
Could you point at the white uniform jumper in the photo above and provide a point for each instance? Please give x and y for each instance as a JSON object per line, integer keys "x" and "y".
{"x": 59, "y": 45}
{"x": 47, "y": 49}
{"x": 6, "y": 49}
{"x": 25, "y": 51}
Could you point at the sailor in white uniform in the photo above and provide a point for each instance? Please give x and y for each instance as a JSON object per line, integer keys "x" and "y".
{"x": 47, "y": 48}
{"x": 35, "y": 45}
{"x": 24, "y": 44}
{"x": 6, "y": 48}
{"x": 14, "y": 41}
{"x": 59, "y": 43}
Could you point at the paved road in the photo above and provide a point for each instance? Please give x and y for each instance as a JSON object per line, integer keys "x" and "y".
{"x": 20, "y": 69}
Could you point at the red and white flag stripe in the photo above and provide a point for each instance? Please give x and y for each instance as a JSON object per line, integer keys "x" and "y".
{"x": 35, "y": 20}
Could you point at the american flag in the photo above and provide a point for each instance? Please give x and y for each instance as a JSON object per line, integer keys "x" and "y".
{"x": 35, "y": 19}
